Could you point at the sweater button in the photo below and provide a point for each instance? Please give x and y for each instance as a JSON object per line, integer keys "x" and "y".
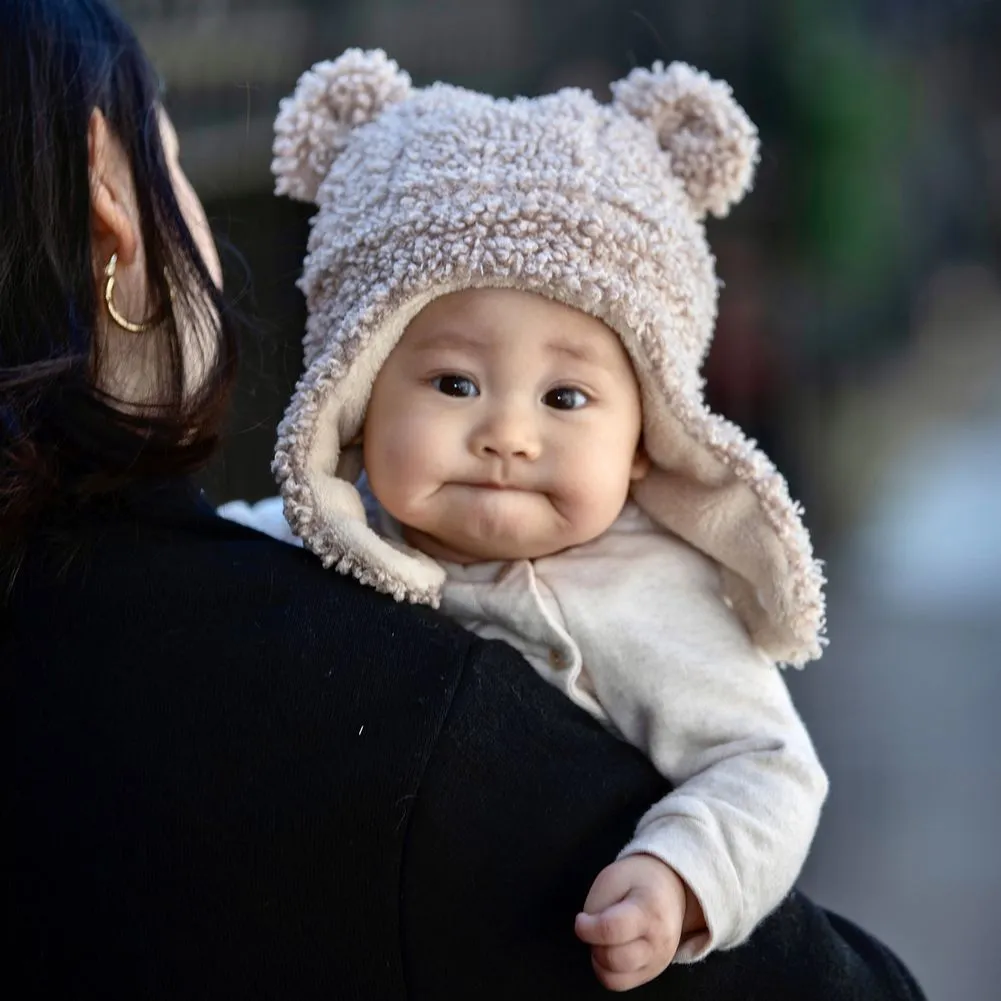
{"x": 557, "y": 660}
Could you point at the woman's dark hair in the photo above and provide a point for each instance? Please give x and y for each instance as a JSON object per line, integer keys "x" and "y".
{"x": 64, "y": 440}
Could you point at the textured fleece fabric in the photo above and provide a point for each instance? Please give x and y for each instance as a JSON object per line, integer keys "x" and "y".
{"x": 425, "y": 192}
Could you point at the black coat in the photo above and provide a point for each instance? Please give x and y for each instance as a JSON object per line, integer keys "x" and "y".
{"x": 238, "y": 775}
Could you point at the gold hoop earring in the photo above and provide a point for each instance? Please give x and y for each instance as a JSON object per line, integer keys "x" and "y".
{"x": 109, "y": 301}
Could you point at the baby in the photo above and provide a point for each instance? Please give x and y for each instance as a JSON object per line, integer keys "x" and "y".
{"x": 508, "y": 305}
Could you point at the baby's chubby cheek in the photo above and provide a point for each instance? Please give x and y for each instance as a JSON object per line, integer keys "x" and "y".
{"x": 592, "y": 505}
{"x": 400, "y": 473}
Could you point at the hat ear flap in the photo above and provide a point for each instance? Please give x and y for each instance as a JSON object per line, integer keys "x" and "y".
{"x": 329, "y": 101}
{"x": 712, "y": 143}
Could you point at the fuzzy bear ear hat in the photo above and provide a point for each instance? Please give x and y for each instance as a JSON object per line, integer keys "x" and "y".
{"x": 425, "y": 192}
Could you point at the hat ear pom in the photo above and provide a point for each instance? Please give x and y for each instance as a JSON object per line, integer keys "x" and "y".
{"x": 329, "y": 101}
{"x": 712, "y": 143}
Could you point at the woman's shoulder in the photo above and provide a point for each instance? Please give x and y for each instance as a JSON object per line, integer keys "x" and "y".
{"x": 268, "y": 723}
{"x": 174, "y": 569}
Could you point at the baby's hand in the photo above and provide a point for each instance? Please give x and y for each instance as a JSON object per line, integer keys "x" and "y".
{"x": 633, "y": 919}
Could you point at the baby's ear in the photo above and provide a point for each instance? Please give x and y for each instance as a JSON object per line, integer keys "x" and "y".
{"x": 712, "y": 143}
{"x": 329, "y": 101}
{"x": 641, "y": 464}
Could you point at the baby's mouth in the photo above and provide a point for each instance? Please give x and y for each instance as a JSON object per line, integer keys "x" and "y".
{"x": 492, "y": 485}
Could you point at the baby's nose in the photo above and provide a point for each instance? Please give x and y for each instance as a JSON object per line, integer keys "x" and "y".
{"x": 507, "y": 434}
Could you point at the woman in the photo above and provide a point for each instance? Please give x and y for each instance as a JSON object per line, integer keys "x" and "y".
{"x": 211, "y": 797}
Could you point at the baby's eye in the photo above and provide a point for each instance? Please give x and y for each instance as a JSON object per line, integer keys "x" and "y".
{"x": 565, "y": 398}
{"x": 455, "y": 385}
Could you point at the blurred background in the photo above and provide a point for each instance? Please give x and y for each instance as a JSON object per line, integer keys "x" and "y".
{"x": 859, "y": 340}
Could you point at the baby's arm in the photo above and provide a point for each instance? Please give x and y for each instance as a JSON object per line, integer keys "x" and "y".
{"x": 677, "y": 674}
{"x": 738, "y": 826}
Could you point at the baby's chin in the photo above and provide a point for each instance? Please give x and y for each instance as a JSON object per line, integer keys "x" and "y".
{"x": 463, "y": 548}
{"x": 492, "y": 547}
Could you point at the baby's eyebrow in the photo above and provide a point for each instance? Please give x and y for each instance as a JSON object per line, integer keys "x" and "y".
{"x": 576, "y": 350}
{"x": 458, "y": 340}
{"x": 448, "y": 339}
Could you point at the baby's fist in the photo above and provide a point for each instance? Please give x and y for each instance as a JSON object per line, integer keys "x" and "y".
{"x": 633, "y": 919}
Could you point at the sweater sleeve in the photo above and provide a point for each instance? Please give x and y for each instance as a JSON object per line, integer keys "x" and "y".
{"x": 680, "y": 679}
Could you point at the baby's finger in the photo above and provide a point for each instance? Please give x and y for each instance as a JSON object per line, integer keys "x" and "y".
{"x": 616, "y": 925}
{"x": 620, "y": 981}
{"x": 630, "y": 958}
{"x": 610, "y": 886}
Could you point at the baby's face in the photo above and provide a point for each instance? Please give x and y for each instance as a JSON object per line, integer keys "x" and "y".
{"x": 503, "y": 426}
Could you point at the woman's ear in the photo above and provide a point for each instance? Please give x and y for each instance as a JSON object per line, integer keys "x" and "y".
{"x": 114, "y": 213}
{"x": 641, "y": 464}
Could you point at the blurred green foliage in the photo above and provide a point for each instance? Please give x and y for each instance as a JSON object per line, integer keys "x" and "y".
{"x": 851, "y": 125}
